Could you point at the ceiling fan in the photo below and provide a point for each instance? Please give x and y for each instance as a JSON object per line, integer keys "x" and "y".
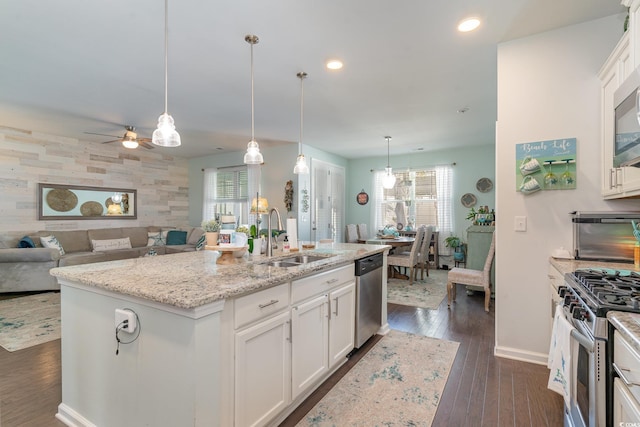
{"x": 129, "y": 140}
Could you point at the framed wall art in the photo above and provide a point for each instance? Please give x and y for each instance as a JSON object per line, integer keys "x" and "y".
{"x": 56, "y": 201}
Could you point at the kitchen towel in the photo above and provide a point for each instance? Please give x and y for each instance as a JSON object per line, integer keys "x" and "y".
{"x": 292, "y": 232}
{"x": 560, "y": 356}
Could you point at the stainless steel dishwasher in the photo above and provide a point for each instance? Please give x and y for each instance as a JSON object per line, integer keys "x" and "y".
{"x": 368, "y": 297}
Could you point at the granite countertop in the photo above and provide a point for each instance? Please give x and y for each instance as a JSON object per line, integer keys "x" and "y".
{"x": 193, "y": 279}
{"x": 628, "y": 324}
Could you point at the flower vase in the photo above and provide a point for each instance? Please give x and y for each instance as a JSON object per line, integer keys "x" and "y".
{"x": 212, "y": 238}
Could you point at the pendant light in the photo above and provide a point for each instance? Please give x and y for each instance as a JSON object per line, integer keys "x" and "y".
{"x": 389, "y": 179}
{"x": 166, "y": 134}
{"x": 253, "y": 155}
{"x": 301, "y": 167}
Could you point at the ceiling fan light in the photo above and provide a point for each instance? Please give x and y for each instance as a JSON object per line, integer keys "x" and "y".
{"x": 166, "y": 135}
{"x": 253, "y": 156}
{"x": 301, "y": 167}
{"x": 129, "y": 142}
{"x": 389, "y": 180}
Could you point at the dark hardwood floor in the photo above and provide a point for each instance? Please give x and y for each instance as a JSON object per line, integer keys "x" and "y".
{"x": 482, "y": 390}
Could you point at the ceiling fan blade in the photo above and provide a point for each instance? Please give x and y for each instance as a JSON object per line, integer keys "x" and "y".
{"x": 102, "y": 134}
{"x": 144, "y": 139}
{"x": 114, "y": 140}
{"x": 146, "y": 145}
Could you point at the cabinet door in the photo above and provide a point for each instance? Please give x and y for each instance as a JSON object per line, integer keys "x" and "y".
{"x": 625, "y": 408}
{"x": 310, "y": 330}
{"x": 342, "y": 318}
{"x": 262, "y": 371}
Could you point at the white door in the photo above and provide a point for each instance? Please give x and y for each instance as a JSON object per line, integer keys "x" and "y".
{"x": 262, "y": 371}
{"x": 327, "y": 201}
{"x": 342, "y": 303}
{"x": 309, "y": 344}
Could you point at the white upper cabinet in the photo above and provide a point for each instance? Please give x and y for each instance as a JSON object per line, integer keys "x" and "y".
{"x": 618, "y": 181}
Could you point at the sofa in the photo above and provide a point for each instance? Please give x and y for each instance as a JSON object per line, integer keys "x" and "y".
{"x": 25, "y": 269}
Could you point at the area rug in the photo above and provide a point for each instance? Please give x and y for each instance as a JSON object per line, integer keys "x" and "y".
{"x": 29, "y": 320}
{"x": 399, "y": 382}
{"x": 427, "y": 293}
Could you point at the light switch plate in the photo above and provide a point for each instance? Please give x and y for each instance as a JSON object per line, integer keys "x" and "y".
{"x": 520, "y": 223}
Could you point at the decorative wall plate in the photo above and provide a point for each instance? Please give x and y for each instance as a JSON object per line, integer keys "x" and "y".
{"x": 61, "y": 199}
{"x": 362, "y": 198}
{"x": 484, "y": 185}
{"x": 468, "y": 200}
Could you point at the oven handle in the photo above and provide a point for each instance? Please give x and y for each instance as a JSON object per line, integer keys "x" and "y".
{"x": 582, "y": 339}
{"x": 622, "y": 376}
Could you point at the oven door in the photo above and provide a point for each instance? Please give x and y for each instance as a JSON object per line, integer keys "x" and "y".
{"x": 587, "y": 402}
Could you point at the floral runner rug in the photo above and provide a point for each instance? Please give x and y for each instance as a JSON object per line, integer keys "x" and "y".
{"x": 399, "y": 382}
{"x": 29, "y": 320}
{"x": 427, "y": 293}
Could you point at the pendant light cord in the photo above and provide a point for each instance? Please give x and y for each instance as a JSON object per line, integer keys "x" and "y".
{"x": 166, "y": 55}
{"x": 388, "y": 151}
{"x": 252, "y": 126}
{"x": 302, "y": 76}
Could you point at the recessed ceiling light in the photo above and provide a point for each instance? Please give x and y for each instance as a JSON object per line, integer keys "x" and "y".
{"x": 468, "y": 24}
{"x": 334, "y": 64}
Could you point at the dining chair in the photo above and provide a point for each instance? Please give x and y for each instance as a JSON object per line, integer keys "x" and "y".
{"x": 351, "y": 235}
{"x": 410, "y": 261}
{"x": 362, "y": 232}
{"x": 467, "y": 276}
{"x": 423, "y": 257}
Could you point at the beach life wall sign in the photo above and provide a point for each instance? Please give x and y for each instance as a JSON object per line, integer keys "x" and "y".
{"x": 546, "y": 165}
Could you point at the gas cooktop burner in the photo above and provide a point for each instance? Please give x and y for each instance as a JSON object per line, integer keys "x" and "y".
{"x": 619, "y": 289}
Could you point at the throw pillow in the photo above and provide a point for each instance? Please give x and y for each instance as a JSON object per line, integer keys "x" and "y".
{"x": 26, "y": 242}
{"x": 111, "y": 244}
{"x": 176, "y": 237}
{"x": 156, "y": 238}
{"x": 200, "y": 242}
{"x": 51, "y": 242}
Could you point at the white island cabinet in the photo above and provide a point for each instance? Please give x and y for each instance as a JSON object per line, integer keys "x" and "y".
{"x": 217, "y": 345}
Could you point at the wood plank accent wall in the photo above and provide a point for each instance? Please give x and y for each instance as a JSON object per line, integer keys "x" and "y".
{"x": 28, "y": 158}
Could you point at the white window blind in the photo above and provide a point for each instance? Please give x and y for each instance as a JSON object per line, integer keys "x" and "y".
{"x": 420, "y": 197}
{"x": 226, "y": 192}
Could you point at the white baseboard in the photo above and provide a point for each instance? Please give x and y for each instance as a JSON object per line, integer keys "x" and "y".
{"x": 71, "y": 418}
{"x": 523, "y": 356}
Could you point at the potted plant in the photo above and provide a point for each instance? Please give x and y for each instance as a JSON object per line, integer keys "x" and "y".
{"x": 212, "y": 231}
{"x": 456, "y": 243}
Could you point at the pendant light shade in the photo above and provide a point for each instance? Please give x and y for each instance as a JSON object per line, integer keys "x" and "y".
{"x": 301, "y": 167}
{"x": 389, "y": 179}
{"x": 253, "y": 155}
{"x": 166, "y": 135}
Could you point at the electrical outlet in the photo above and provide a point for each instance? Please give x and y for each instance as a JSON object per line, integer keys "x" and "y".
{"x": 123, "y": 314}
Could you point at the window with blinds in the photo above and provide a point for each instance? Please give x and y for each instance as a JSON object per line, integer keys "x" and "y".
{"x": 420, "y": 197}
{"x": 226, "y": 193}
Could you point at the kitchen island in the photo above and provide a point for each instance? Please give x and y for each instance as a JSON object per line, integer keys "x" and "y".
{"x": 198, "y": 335}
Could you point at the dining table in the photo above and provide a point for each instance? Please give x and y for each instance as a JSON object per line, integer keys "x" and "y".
{"x": 395, "y": 242}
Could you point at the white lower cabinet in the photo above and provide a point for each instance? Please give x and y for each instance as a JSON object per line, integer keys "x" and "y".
{"x": 626, "y": 388}
{"x": 288, "y": 339}
{"x": 309, "y": 345}
{"x": 625, "y": 407}
{"x": 342, "y": 321}
{"x": 262, "y": 371}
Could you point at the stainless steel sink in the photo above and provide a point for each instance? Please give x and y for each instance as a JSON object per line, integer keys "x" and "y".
{"x": 295, "y": 261}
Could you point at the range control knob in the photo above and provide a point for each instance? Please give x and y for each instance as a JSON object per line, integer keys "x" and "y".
{"x": 562, "y": 291}
{"x": 579, "y": 313}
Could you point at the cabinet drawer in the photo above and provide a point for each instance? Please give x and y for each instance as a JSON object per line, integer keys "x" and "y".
{"x": 627, "y": 360}
{"x": 255, "y": 306}
{"x": 309, "y": 286}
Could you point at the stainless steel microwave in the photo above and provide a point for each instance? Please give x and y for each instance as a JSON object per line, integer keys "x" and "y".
{"x": 627, "y": 122}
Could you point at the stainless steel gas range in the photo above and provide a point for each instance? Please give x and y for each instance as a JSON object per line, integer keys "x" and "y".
{"x": 588, "y": 294}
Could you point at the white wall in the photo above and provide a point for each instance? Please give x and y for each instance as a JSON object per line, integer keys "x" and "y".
{"x": 547, "y": 89}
